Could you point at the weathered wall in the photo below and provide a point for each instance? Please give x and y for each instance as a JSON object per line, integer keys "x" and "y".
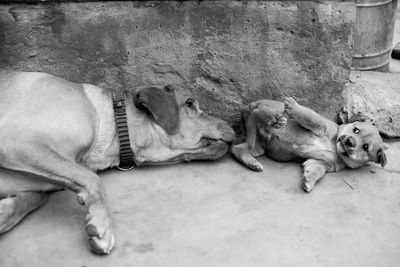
{"x": 227, "y": 52}
{"x": 377, "y": 95}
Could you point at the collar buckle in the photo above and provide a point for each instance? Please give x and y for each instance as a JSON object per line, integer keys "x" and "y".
{"x": 127, "y": 168}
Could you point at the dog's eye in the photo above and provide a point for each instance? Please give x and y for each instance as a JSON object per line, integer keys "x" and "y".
{"x": 189, "y": 102}
{"x": 365, "y": 147}
{"x": 356, "y": 130}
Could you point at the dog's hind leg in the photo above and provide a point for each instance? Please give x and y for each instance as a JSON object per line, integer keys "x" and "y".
{"x": 42, "y": 161}
{"x": 15, "y": 207}
{"x": 263, "y": 120}
{"x": 246, "y": 156}
{"x": 313, "y": 171}
{"x": 256, "y": 120}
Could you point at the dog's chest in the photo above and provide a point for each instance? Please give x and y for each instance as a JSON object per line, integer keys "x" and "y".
{"x": 320, "y": 148}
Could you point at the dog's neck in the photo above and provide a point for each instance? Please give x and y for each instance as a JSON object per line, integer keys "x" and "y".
{"x": 104, "y": 152}
{"x": 347, "y": 162}
{"x": 146, "y": 141}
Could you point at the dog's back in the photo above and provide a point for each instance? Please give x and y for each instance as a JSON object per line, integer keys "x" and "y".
{"x": 32, "y": 102}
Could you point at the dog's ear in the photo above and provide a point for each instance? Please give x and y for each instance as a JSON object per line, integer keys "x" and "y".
{"x": 360, "y": 117}
{"x": 381, "y": 157}
{"x": 162, "y": 105}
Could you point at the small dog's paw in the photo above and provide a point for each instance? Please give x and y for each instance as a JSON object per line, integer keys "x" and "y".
{"x": 290, "y": 104}
{"x": 308, "y": 183}
{"x": 280, "y": 121}
{"x": 255, "y": 165}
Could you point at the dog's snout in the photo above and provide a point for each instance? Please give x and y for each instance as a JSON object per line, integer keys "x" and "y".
{"x": 350, "y": 142}
{"x": 226, "y": 130}
{"x": 347, "y": 141}
{"x": 218, "y": 129}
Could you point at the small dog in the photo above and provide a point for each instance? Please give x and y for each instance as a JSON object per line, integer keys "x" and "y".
{"x": 321, "y": 144}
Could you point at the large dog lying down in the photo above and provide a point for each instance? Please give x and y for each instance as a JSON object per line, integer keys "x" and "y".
{"x": 55, "y": 134}
{"x": 306, "y": 136}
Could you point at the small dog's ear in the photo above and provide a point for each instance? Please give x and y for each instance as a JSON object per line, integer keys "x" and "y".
{"x": 381, "y": 157}
{"x": 162, "y": 105}
{"x": 360, "y": 117}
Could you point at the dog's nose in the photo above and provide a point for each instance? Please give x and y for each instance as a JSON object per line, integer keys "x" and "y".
{"x": 350, "y": 142}
{"x": 226, "y": 131}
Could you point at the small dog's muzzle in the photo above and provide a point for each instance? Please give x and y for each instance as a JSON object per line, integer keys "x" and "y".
{"x": 348, "y": 141}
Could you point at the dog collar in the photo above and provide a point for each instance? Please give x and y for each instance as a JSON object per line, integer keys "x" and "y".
{"x": 126, "y": 162}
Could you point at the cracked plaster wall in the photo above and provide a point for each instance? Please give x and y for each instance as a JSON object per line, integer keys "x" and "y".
{"x": 228, "y": 53}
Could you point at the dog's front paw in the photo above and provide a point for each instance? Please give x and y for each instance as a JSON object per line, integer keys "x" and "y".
{"x": 255, "y": 165}
{"x": 280, "y": 121}
{"x": 101, "y": 236}
{"x": 290, "y": 105}
{"x": 308, "y": 183}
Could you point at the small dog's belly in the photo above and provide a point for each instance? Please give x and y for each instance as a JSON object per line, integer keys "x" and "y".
{"x": 281, "y": 150}
{"x": 295, "y": 143}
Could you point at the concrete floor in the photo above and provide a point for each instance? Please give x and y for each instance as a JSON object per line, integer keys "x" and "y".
{"x": 222, "y": 214}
